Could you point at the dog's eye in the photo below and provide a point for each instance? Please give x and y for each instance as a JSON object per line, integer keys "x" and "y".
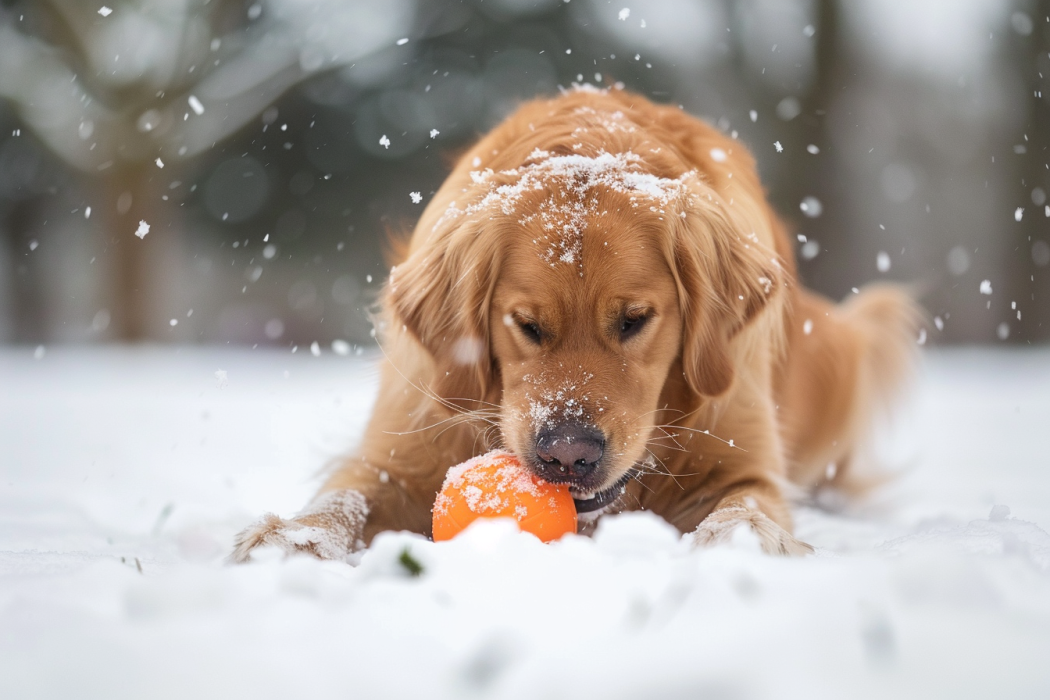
{"x": 631, "y": 324}
{"x": 531, "y": 331}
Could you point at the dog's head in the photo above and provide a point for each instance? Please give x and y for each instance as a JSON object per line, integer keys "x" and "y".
{"x": 583, "y": 280}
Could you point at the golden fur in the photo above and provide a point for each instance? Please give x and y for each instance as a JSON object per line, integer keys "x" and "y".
{"x": 576, "y": 218}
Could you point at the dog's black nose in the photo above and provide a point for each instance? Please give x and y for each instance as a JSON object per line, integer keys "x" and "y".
{"x": 569, "y": 452}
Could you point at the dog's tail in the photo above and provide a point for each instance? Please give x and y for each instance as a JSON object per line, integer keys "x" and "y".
{"x": 888, "y": 322}
{"x": 846, "y": 365}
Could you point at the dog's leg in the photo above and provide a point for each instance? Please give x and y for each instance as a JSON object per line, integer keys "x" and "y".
{"x": 358, "y": 501}
{"x": 330, "y": 527}
{"x": 747, "y": 506}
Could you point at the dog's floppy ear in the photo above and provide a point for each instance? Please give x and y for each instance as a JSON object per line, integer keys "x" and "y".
{"x": 725, "y": 278}
{"x": 441, "y": 294}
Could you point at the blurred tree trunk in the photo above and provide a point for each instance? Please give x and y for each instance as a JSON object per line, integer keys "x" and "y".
{"x": 1030, "y": 286}
{"x": 133, "y": 195}
{"x": 814, "y": 175}
{"x": 29, "y": 317}
{"x": 817, "y": 175}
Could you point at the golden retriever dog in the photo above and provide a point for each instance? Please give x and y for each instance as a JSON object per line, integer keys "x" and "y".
{"x": 601, "y": 288}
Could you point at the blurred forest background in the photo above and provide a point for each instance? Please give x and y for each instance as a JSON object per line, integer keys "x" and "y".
{"x": 271, "y": 146}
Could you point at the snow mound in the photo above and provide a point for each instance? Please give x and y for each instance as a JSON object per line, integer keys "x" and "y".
{"x": 126, "y": 475}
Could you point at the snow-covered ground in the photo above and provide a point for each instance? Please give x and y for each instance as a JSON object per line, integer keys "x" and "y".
{"x": 125, "y": 473}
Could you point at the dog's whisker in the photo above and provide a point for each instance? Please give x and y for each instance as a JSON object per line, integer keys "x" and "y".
{"x": 666, "y": 472}
{"x": 667, "y": 436}
{"x": 431, "y": 394}
{"x": 464, "y": 421}
{"x": 455, "y": 420}
{"x": 459, "y": 419}
{"x": 729, "y": 442}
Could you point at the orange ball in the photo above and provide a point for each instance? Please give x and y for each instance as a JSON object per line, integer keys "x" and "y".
{"x": 496, "y": 485}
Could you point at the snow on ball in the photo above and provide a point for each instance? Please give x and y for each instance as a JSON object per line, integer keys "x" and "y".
{"x": 497, "y": 485}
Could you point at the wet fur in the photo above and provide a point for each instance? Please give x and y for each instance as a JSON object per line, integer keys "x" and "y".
{"x": 725, "y": 406}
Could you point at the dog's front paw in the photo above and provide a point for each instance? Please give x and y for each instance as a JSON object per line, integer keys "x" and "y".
{"x": 717, "y": 528}
{"x": 330, "y": 529}
{"x": 290, "y": 536}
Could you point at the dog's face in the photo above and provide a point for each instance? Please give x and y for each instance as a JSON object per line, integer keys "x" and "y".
{"x": 583, "y": 347}
{"x": 573, "y": 287}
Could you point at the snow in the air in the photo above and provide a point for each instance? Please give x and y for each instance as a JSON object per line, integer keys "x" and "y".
{"x": 623, "y": 14}
{"x": 195, "y": 105}
{"x": 986, "y": 287}
{"x": 811, "y": 207}
{"x": 416, "y": 197}
{"x": 105, "y": 11}
{"x": 142, "y": 229}
{"x": 127, "y": 472}
{"x": 780, "y": 149}
{"x": 384, "y": 141}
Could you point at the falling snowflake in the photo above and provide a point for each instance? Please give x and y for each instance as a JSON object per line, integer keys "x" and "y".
{"x": 1018, "y": 213}
{"x": 105, "y": 11}
{"x": 986, "y": 287}
{"x": 416, "y": 197}
{"x": 402, "y": 42}
{"x": 811, "y": 207}
{"x": 882, "y": 261}
{"x": 780, "y": 149}
{"x": 142, "y": 230}
{"x": 160, "y": 163}
{"x": 195, "y": 105}
{"x": 384, "y": 141}
{"x": 624, "y": 14}
{"x": 434, "y": 133}
{"x": 718, "y": 155}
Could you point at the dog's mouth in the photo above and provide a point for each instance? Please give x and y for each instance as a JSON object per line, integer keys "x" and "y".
{"x": 590, "y": 501}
